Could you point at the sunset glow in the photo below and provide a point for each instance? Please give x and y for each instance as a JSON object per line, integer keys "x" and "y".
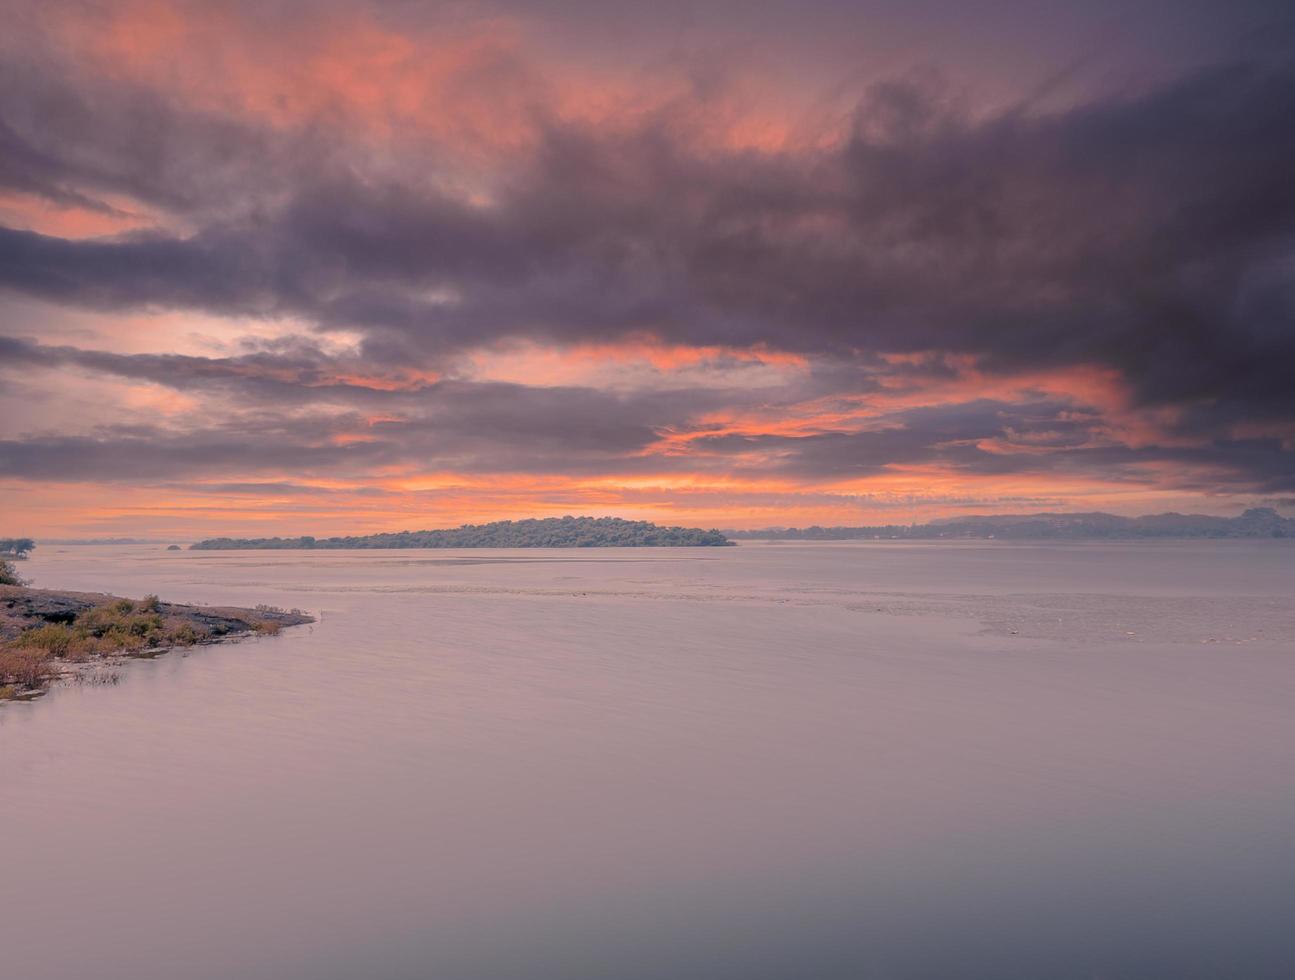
{"x": 346, "y": 267}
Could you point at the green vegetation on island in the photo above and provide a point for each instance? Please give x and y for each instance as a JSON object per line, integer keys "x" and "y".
{"x": 16, "y": 547}
{"x": 1258, "y": 522}
{"x": 549, "y": 532}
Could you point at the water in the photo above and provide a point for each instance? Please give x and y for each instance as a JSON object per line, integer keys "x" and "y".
{"x": 863, "y": 760}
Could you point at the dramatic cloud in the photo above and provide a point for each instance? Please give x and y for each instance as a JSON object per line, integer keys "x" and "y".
{"x": 461, "y": 244}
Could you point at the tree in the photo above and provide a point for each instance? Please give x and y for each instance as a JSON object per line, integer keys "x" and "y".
{"x": 16, "y": 546}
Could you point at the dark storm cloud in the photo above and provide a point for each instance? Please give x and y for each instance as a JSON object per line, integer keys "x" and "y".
{"x": 75, "y": 138}
{"x": 155, "y": 454}
{"x": 295, "y": 373}
{"x": 215, "y": 271}
{"x": 1154, "y": 234}
{"x": 1151, "y": 232}
{"x": 992, "y": 438}
{"x": 275, "y": 489}
{"x": 489, "y": 427}
{"x": 271, "y": 446}
{"x": 461, "y": 413}
{"x": 946, "y": 434}
{"x": 482, "y": 430}
{"x": 269, "y": 418}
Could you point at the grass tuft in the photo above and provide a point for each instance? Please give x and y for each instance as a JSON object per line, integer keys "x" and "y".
{"x": 25, "y": 667}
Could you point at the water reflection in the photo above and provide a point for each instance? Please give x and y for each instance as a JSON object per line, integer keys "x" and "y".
{"x": 793, "y": 761}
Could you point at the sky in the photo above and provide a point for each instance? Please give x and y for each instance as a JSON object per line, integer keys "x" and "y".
{"x": 342, "y": 266}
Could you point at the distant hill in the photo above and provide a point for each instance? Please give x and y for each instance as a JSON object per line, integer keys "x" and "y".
{"x": 1258, "y": 522}
{"x": 549, "y": 532}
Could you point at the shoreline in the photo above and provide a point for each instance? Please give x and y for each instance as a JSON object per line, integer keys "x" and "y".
{"x": 53, "y": 635}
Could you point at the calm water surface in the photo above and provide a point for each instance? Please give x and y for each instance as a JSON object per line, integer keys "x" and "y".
{"x": 844, "y": 761}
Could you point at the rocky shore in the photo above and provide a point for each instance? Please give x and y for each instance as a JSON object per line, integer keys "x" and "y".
{"x": 46, "y": 634}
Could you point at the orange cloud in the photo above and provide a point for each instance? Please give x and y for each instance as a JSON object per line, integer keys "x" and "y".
{"x": 478, "y": 85}
{"x": 639, "y": 361}
{"x": 31, "y": 212}
{"x": 907, "y": 495}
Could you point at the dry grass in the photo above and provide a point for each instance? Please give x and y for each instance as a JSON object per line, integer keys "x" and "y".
{"x": 186, "y": 635}
{"x": 41, "y": 632}
{"x": 22, "y": 667}
{"x": 120, "y": 627}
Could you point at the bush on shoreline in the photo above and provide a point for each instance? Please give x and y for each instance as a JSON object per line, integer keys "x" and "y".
{"x": 21, "y": 669}
{"x": 118, "y": 627}
{"x": 42, "y": 631}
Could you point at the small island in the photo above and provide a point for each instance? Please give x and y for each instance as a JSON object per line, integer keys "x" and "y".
{"x": 47, "y": 634}
{"x": 15, "y": 547}
{"x": 548, "y": 532}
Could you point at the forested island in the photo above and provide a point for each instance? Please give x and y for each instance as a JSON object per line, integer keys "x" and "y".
{"x": 1258, "y": 522}
{"x": 547, "y": 532}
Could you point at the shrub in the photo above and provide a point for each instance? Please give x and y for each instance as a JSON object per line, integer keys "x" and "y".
{"x": 119, "y": 618}
{"x": 101, "y": 631}
{"x": 186, "y": 636}
{"x": 279, "y": 610}
{"x": 9, "y": 575}
{"x": 55, "y": 639}
{"x": 119, "y": 626}
{"x": 24, "y": 667}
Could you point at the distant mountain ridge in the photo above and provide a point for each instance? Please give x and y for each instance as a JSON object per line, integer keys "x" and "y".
{"x": 1258, "y": 522}
{"x": 548, "y": 532}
